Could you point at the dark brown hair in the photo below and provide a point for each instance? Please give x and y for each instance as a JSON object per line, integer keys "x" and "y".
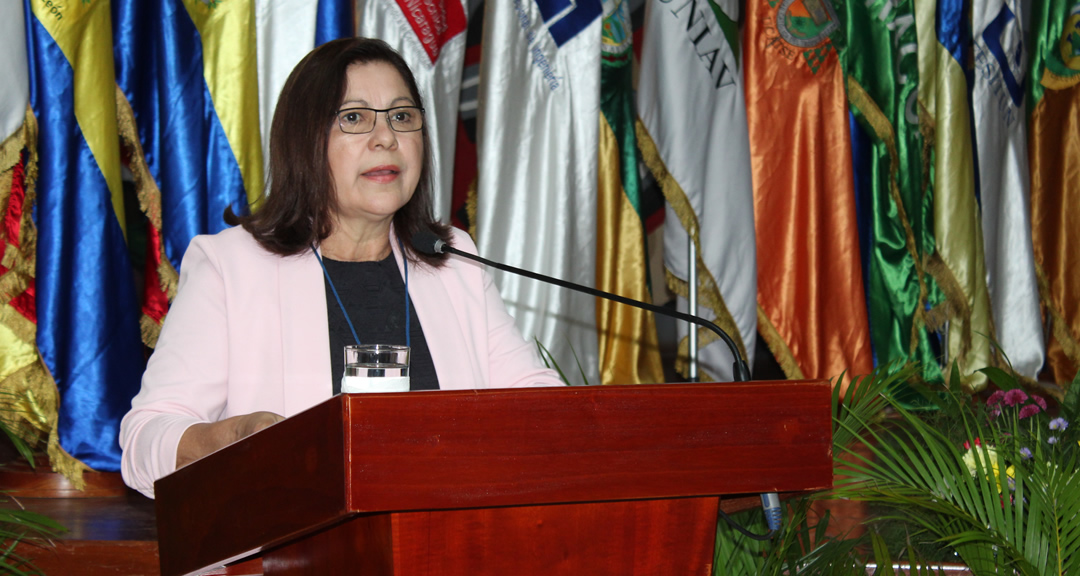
{"x": 300, "y": 202}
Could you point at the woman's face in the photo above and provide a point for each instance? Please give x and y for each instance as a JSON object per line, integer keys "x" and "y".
{"x": 374, "y": 174}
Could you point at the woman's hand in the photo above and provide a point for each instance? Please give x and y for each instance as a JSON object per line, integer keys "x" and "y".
{"x": 202, "y": 439}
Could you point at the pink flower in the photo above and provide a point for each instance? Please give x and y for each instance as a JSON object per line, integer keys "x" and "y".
{"x": 967, "y": 445}
{"x": 1039, "y": 400}
{"x": 995, "y": 398}
{"x": 1015, "y": 396}
{"x": 1029, "y": 411}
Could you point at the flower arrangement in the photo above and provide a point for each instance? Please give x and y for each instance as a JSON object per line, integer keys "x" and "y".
{"x": 995, "y": 481}
{"x": 991, "y": 482}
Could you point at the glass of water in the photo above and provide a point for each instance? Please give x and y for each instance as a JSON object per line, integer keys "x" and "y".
{"x": 376, "y": 368}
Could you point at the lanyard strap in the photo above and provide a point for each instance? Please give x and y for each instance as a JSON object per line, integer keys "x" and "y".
{"x": 408, "y": 315}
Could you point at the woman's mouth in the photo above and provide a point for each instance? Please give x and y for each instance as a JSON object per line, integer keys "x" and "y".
{"x": 382, "y": 173}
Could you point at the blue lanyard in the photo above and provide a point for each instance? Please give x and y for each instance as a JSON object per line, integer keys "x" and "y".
{"x": 408, "y": 315}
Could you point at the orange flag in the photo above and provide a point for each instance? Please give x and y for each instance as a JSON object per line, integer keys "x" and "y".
{"x": 811, "y": 305}
{"x": 1054, "y": 150}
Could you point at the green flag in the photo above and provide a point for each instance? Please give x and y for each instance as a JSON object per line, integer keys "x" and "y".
{"x": 881, "y": 63}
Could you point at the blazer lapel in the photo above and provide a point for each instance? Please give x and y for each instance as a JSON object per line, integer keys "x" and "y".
{"x": 305, "y": 332}
{"x": 442, "y": 327}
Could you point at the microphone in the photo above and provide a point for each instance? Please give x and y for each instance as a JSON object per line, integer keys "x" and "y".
{"x": 426, "y": 242}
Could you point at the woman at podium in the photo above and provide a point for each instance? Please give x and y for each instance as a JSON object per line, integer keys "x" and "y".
{"x": 264, "y": 309}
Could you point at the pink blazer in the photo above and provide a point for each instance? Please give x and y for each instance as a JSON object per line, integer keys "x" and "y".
{"x": 248, "y": 332}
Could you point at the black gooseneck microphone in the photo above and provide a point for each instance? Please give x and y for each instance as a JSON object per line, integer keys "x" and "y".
{"x": 426, "y": 242}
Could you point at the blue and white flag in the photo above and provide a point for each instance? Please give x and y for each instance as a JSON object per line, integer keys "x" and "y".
{"x": 1001, "y": 138}
{"x": 537, "y": 181}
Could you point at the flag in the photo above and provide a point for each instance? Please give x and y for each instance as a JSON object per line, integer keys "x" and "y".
{"x": 694, "y": 138}
{"x": 811, "y": 308}
{"x": 431, "y": 38}
{"x": 463, "y": 195}
{"x": 189, "y": 122}
{"x": 892, "y": 187}
{"x": 1054, "y": 97}
{"x": 226, "y": 32}
{"x": 285, "y": 31}
{"x": 87, "y": 310}
{"x": 628, "y": 348}
{"x": 335, "y": 19}
{"x": 959, "y": 263}
{"x": 1001, "y": 150}
{"x": 537, "y": 144}
{"x": 28, "y": 395}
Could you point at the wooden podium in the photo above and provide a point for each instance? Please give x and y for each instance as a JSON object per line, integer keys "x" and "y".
{"x": 599, "y": 480}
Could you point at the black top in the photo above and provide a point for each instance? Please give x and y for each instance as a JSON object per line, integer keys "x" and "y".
{"x": 374, "y": 295}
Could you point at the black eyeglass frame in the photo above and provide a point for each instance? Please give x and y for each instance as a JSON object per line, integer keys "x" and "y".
{"x": 387, "y": 111}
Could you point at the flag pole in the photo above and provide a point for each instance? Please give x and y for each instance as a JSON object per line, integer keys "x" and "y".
{"x": 692, "y": 371}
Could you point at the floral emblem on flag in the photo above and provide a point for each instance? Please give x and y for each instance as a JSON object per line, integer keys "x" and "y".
{"x": 806, "y": 23}
{"x": 617, "y": 32}
{"x": 1070, "y": 39}
{"x": 802, "y": 28}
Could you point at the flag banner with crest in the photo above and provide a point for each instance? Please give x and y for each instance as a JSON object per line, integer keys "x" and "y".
{"x": 694, "y": 138}
{"x": 430, "y": 36}
{"x": 999, "y": 114}
{"x": 1053, "y": 91}
{"x": 87, "y": 308}
{"x": 959, "y": 263}
{"x": 628, "y": 348}
{"x": 537, "y": 176}
{"x": 812, "y": 310}
{"x": 893, "y": 193}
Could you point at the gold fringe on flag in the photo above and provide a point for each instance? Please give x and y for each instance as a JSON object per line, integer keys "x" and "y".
{"x": 708, "y": 291}
{"x": 778, "y": 347}
{"x": 471, "y": 202}
{"x": 29, "y": 400}
{"x": 1069, "y": 341}
{"x": 150, "y": 203}
{"x": 883, "y": 129}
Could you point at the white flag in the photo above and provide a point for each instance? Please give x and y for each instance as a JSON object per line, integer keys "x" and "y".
{"x": 537, "y": 182}
{"x": 690, "y": 99}
{"x": 284, "y": 34}
{"x": 15, "y": 88}
{"x": 431, "y": 37}
{"x": 1001, "y": 137}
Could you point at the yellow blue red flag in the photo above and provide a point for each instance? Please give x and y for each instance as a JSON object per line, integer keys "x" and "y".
{"x": 87, "y": 309}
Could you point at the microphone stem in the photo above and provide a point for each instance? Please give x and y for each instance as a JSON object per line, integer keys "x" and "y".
{"x": 741, "y": 371}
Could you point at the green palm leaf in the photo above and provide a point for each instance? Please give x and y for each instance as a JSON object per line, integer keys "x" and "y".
{"x": 1027, "y": 524}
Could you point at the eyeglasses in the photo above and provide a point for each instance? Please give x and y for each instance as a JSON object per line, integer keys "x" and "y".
{"x": 362, "y": 120}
